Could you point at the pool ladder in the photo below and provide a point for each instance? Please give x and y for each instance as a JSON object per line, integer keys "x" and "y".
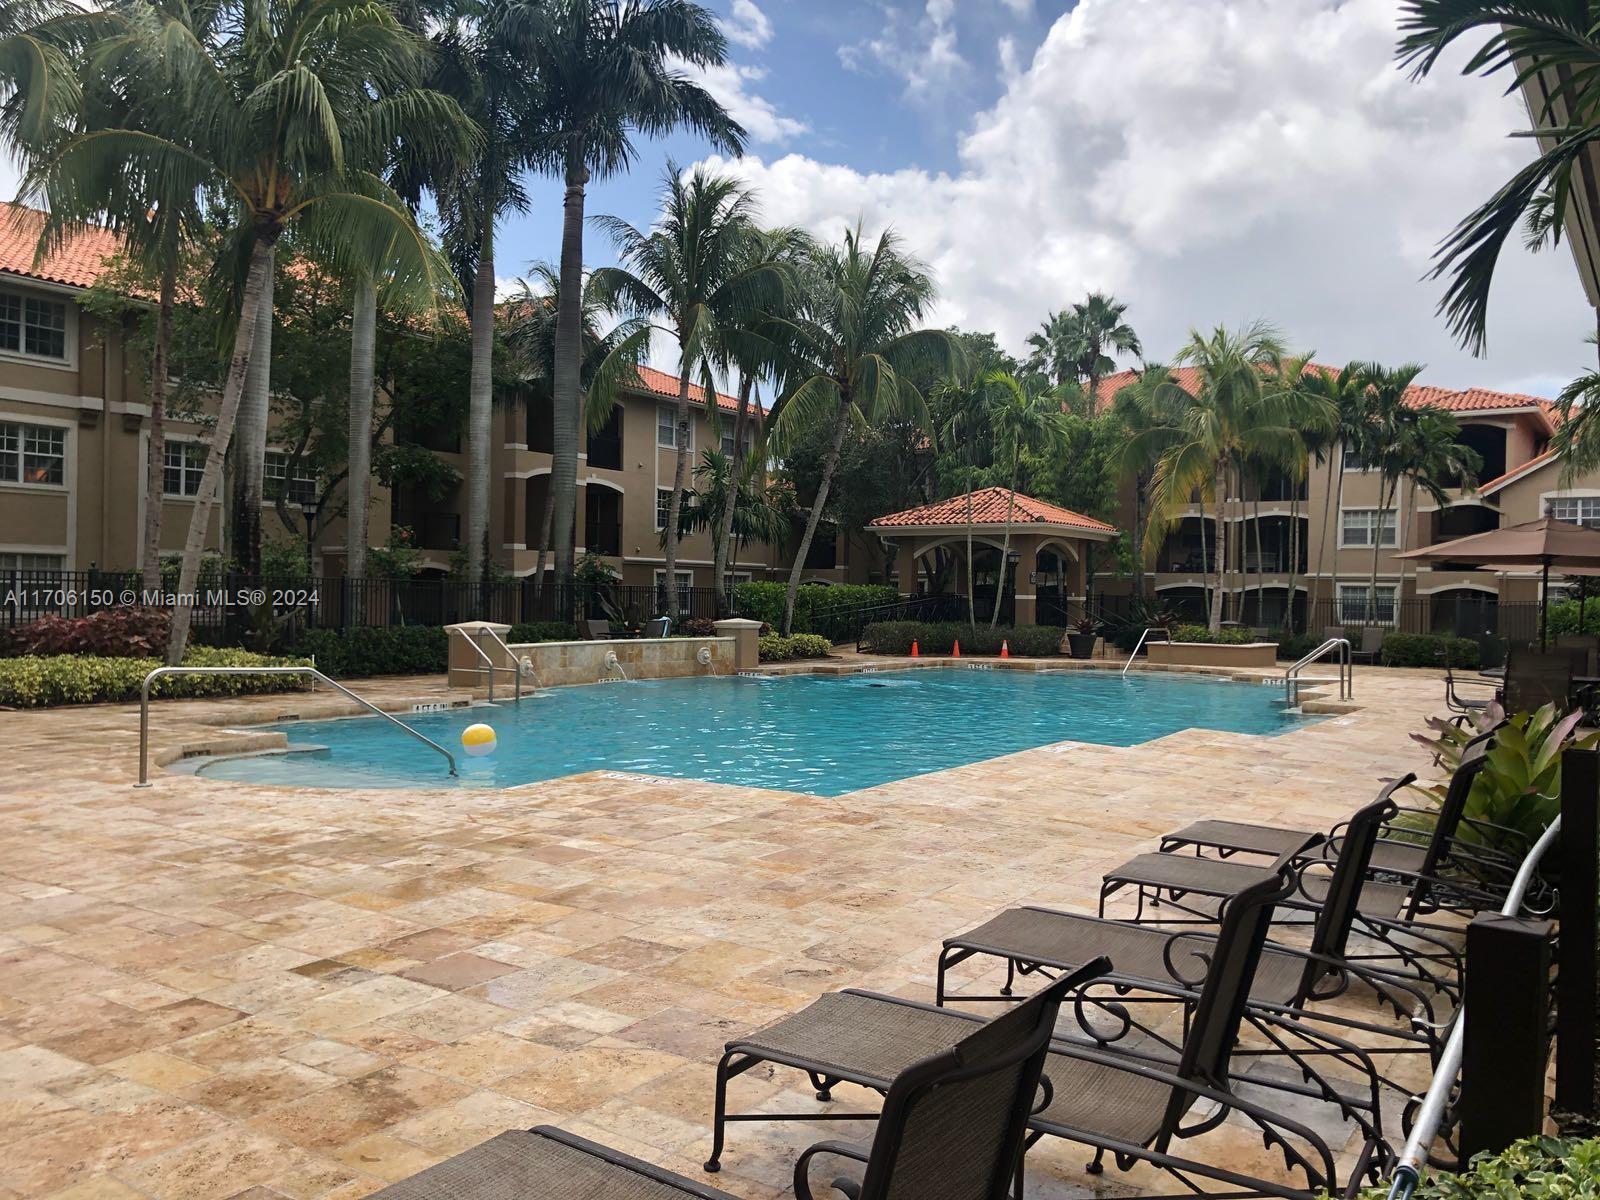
{"x": 1346, "y": 679}
{"x": 1161, "y": 629}
{"x": 521, "y": 665}
{"x": 312, "y": 672}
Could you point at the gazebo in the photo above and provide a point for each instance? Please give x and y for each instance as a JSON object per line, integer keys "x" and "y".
{"x": 1048, "y": 543}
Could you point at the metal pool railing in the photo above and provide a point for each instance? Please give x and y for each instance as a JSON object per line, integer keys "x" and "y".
{"x": 144, "y": 706}
{"x": 1414, "y": 1158}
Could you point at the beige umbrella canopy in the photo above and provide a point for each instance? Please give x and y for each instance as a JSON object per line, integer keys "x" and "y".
{"x": 1545, "y": 543}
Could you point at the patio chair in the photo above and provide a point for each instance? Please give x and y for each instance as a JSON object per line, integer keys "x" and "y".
{"x": 1585, "y": 651}
{"x": 952, "y": 1126}
{"x": 1333, "y": 631}
{"x": 1535, "y": 678}
{"x": 1464, "y": 706}
{"x": 658, "y": 627}
{"x": 1371, "y": 644}
{"x": 1128, "y": 1103}
{"x": 597, "y": 630}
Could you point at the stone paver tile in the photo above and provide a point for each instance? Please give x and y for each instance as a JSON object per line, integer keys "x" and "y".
{"x": 386, "y": 1157}
{"x": 340, "y": 1115}
{"x": 462, "y": 1124}
{"x": 590, "y": 1075}
{"x": 457, "y": 972}
{"x": 158, "y": 1070}
{"x": 254, "y": 1087}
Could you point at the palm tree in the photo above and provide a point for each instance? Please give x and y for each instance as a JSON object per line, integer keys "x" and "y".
{"x": 1027, "y": 419}
{"x": 530, "y": 336}
{"x": 1097, "y": 327}
{"x": 1140, "y": 409}
{"x": 607, "y": 69}
{"x": 275, "y": 154}
{"x": 849, "y": 349}
{"x": 692, "y": 273}
{"x": 1344, "y": 392}
{"x": 967, "y": 438}
{"x": 1435, "y": 461}
{"x": 1236, "y": 413}
{"x": 1055, "y": 347}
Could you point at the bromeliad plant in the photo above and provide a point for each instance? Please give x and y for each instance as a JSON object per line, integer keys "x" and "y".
{"x": 1519, "y": 792}
{"x": 1540, "y": 1168}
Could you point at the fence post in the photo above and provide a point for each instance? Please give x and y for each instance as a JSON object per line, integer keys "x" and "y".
{"x": 1576, "y": 1002}
{"x": 1506, "y": 1007}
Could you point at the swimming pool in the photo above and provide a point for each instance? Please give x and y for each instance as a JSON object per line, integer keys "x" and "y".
{"x": 825, "y": 735}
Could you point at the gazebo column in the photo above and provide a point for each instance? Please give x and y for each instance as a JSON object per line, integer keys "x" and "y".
{"x": 905, "y": 561}
{"x": 1078, "y": 572}
{"x": 1026, "y": 547}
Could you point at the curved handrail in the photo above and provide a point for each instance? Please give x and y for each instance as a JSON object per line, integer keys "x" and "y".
{"x": 1161, "y": 629}
{"x": 490, "y": 665}
{"x": 144, "y": 706}
{"x": 1408, "y": 1170}
{"x": 1347, "y": 674}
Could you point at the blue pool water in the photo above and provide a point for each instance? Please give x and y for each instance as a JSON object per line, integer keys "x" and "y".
{"x": 825, "y": 735}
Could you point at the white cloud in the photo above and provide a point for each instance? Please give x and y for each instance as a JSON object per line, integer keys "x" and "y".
{"x": 748, "y": 26}
{"x": 729, "y": 85}
{"x": 921, "y": 48}
{"x": 1214, "y": 161}
{"x": 1010, "y": 61}
{"x": 1021, "y": 8}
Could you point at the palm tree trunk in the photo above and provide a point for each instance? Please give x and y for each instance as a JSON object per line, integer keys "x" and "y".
{"x": 972, "y": 600}
{"x": 724, "y": 531}
{"x": 1261, "y": 562}
{"x": 680, "y": 477}
{"x": 156, "y": 452}
{"x": 1005, "y": 545}
{"x": 1221, "y": 485}
{"x": 1377, "y": 546}
{"x": 1330, "y": 533}
{"x": 830, "y": 463}
{"x": 363, "y": 340}
{"x": 1294, "y": 559}
{"x": 480, "y": 402}
{"x": 1205, "y": 555}
{"x": 1140, "y": 482}
{"x": 568, "y": 365}
{"x": 255, "y": 291}
{"x": 249, "y": 472}
{"x": 547, "y": 520}
{"x": 1400, "y": 545}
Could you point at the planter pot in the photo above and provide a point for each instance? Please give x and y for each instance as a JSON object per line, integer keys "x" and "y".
{"x": 1214, "y": 654}
{"x": 1081, "y": 645}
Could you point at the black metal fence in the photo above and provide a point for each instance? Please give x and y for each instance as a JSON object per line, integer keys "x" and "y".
{"x": 340, "y": 603}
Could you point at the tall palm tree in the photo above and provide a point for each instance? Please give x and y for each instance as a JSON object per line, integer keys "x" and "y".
{"x": 607, "y": 69}
{"x": 1344, "y": 392}
{"x": 967, "y": 439}
{"x": 1386, "y": 447}
{"x": 1027, "y": 419}
{"x": 691, "y": 277}
{"x": 1435, "y": 462}
{"x": 1055, "y": 346}
{"x": 1235, "y": 413}
{"x": 261, "y": 115}
{"x": 1141, "y": 409}
{"x": 850, "y": 347}
{"x": 1097, "y": 327}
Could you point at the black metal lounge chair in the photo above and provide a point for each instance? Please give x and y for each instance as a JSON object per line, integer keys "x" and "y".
{"x": 1534, "y": 679}
{"x": 1129, "y": 1104}
{"x": 952, "y": 1126}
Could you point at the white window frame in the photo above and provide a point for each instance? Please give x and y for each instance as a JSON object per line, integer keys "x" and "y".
{"x": 726, "y": 443}
{"x": 1592, "y": 503}
{"x": 685, "y": 584}
{"x": 662, "y": 514}
{"x": 68, "y": 359}
{"x": 1345, "y": 454}
{"x": 1386, "y": 522}
{"x": 185, "y": 468}
{"x": 15, "y": 433}
{"x": 1358, "y": 600}
{"x": 303, "y": 475}
{"x": 667, "y": 420}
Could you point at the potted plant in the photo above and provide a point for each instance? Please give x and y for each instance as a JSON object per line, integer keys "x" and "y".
{"x": 1085, "y": 633}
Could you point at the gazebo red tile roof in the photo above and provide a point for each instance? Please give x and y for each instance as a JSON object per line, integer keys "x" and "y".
{"x": 989, "y": 507}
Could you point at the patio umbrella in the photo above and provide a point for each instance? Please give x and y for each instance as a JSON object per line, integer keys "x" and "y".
{"x": 1546, "y": 543}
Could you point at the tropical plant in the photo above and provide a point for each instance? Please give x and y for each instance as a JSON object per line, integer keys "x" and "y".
{"x": 1098, "y": 327}
{"x": 1141, "y": 408}
{"x": 688, "y": 277}
{"x": 1027, "y": 419}
{"x": 1054, "y": 348}
{"x": 607, "y": 69}
{"x": 1384, "y": 445}
{"x": 278, "y": 156}
{"x": 848, "y": 350}
{"x": 1434, "y": 461}
{"x": 1343, "y": 393}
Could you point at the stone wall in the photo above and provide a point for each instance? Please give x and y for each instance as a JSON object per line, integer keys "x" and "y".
{"x": 559, "y": 663}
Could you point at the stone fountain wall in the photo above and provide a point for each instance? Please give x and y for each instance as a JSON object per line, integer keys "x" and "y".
{"x": 559, "y": 663}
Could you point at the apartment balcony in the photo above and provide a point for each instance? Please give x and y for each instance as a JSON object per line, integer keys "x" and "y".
{"x": 431, "y": 530}
{"x": 604, "y": 538}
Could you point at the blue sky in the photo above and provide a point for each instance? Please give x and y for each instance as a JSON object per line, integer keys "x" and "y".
{"x": 1210, "y": 162}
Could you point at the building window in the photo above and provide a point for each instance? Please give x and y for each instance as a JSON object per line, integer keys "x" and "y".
{"x": 301, "y": 489}
{"x": 1358, "y": 527}
{"x": 663, "y": 506}
{"x": 1354, "y": 604}
{"x": 1579, "y": 510}
{"x": 1352, "y": 459}
{"x": 32, "y": 453}
{"x": 685, "y": 586}
{"x": 182, "y": 464}
{"x": 33, "y": 326}
{"x": 666, "y": 427}
{"x": 31, "y": 562}
{"x": 727, "y": 444}
{"x": 734, "y": 578}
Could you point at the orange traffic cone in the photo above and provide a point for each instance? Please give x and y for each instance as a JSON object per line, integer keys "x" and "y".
{"x": 915, "y": 652}
{"x": 1005, "y": 648}
{"x": 956, "y": 653}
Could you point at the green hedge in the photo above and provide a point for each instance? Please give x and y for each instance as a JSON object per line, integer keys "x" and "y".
{"x": 1026, "y": 641}
{"x": 356, "y": 653}
{"x": 542, "y": 631}
{"x": 776, "y": 648}
{"x": 813, "y": 605}
{"x": 1223, "y": 637}
{"x": 1297, "y": 647}
{"x": 1539, "y": 1168}
{"x": 41, "y": 682}
{"x": 1428, "y": 650}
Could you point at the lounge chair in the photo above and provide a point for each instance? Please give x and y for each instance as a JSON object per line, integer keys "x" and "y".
{"x": 658, "y": 627}
{"x": 1464, "y": 707}
{"x": 1536, "y": 678}
{"x": 597, "y": 631}
{"x": 952, "y": 1126}
{"x": 1371, "y": 644}
{"x": 1130, "y": 1104}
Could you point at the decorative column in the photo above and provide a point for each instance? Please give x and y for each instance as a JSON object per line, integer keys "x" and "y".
{"x": 906, "y": 566}
{"x": 1026, "y": 548}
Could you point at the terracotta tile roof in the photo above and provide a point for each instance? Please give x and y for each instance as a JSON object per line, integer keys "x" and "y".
{"x": 78, "y": 263}
{"x": 1418, "y": 395}
{"x": 989, "y": 508}
{"x": 659, "y": 383}
{"x": 1527, "y": 468}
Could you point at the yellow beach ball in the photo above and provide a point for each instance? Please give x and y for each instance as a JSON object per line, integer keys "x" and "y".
{"x": 478, "y": 740}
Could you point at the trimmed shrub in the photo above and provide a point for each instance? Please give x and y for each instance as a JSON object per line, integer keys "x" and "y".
{"x": 695, "y": 627}
{"x": 1223, "y": 637}
{"x": 36, "y": 681}
{"x": 110, "y": 633}
{"x": 818, "y": 608}
{"x": 1539, "y": 1168}
{"x": 1297, "y": 647}
{"x": 357, "y": 653}
{"x": 777, "y": 648}
{"x": 542, "y": 631}
{"x": 895, "y": 637}
{"x": 1428, "y": 650}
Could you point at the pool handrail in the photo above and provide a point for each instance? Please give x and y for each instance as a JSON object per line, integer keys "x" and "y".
{"x": 490, "y": 666}
{"x": 1414, "y": 1158}
{"x": 1347, "y": 672}
{"x": 1161, "y": 629}
{"x": 312, "y": 672}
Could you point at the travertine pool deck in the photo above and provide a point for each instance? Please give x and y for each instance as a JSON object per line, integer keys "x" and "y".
{"x": 219, "y": 990}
